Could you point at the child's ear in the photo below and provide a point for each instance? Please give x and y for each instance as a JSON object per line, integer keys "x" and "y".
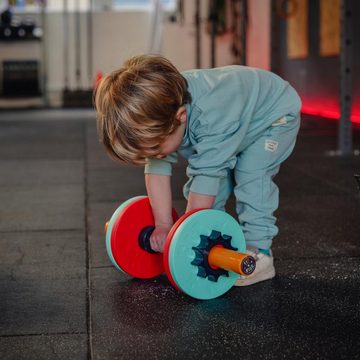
{"x": 181, "y": 114}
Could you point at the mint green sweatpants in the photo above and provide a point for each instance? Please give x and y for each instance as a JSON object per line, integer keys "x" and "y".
{"x": 257, "y": 196}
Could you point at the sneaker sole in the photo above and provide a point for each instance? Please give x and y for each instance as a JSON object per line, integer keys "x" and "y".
{"x": 260, "y": 277}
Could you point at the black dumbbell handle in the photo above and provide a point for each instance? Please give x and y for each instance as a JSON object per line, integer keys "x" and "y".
{"x": 144, "y": 239}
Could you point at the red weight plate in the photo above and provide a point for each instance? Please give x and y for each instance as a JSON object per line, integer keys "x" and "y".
{"x": 168, "y": 244}
{"x": 125, "y": 248}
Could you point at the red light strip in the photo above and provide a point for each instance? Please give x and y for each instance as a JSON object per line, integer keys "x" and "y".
{"x": 327, "y": 113}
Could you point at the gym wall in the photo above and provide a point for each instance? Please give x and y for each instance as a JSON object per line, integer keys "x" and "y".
{"x": 315, "y": 76}
{"x": 116, "y": 35}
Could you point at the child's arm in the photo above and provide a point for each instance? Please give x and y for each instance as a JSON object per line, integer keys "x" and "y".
{"x": 159, "y": 191}
{"x": 199, "y": 201}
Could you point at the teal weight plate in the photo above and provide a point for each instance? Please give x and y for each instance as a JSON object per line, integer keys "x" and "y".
{"x": 110, "y": 227}
{"x": 181, "y": 253}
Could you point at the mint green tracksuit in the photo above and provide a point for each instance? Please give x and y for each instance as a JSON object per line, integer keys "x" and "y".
{"x": 242, "y": 124}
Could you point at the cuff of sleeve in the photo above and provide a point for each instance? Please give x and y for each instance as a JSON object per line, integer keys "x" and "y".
{"x": 159, "y": 167}
{"x": 205, "y": 185}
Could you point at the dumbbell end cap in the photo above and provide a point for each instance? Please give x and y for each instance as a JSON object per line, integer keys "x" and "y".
{"x": 248, "y": 265}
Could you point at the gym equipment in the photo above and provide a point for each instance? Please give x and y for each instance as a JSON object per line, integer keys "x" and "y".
{"x": 122, "y": 239}
{"x": 203, "y": 255}
{"x": 78, "y": 96}
{"x": 20, "y": 78}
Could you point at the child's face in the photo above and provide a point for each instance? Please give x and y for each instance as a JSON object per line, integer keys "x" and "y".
{"x": 174, "y": 140}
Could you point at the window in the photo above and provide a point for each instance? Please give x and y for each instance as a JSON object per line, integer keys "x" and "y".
{"x": 168, "y": 5}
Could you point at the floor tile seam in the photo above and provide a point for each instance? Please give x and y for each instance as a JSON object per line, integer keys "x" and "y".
{"x": 31, "y": 141}
{"x": 75, "y": 120}
{"x": 40, "y": 186}
{"x": 50, "y": 159}
{"x": 40, "y": 278}
{"x": 329, "y": 183}
{"x": 87, "y": 242}
{"x": 44, "y": 334}
{"x": 79, "y": 230}
{"x": 50, "y": 119}
{"x": 26, "y": 161}
{"x": 102, "y": 267}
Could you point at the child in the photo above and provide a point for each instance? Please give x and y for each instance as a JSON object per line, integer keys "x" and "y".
{"x": 235, "y": 125}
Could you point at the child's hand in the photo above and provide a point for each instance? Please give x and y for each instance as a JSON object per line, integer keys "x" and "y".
{"x": 158, "y": 237}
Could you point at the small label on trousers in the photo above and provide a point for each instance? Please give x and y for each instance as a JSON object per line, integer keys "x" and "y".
{"x": 271, "y": 145}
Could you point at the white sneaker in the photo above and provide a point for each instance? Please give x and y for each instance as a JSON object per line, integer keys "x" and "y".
{"x": 264, "y": 268}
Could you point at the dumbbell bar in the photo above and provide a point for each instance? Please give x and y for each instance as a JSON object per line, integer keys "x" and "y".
{"x": 200, "y": 262}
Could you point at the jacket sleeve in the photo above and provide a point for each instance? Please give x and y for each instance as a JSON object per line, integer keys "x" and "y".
{"x": 214, "y": 154}
{"x": 161, "y": 166}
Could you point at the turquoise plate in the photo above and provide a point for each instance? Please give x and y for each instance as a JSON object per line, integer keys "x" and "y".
{"x": 181, "y": 253}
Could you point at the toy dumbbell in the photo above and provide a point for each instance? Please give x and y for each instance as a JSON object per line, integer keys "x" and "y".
{"x": 204, "y": 252}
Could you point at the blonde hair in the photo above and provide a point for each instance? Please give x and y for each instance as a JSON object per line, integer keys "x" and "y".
{"x": 137, "y": 105}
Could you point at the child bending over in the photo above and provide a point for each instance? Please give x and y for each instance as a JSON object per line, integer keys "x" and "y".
{"x": 235, "y": 125}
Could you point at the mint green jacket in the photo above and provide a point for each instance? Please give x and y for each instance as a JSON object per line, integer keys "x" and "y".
{"x": 230, "y": 108}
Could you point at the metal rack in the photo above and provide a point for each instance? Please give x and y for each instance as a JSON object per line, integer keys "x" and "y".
{"x": 345, "y": 142}
{"x": 21, "y": 68}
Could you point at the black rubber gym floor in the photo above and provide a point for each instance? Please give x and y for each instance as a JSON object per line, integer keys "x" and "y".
{"x": 60, "y": 298}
